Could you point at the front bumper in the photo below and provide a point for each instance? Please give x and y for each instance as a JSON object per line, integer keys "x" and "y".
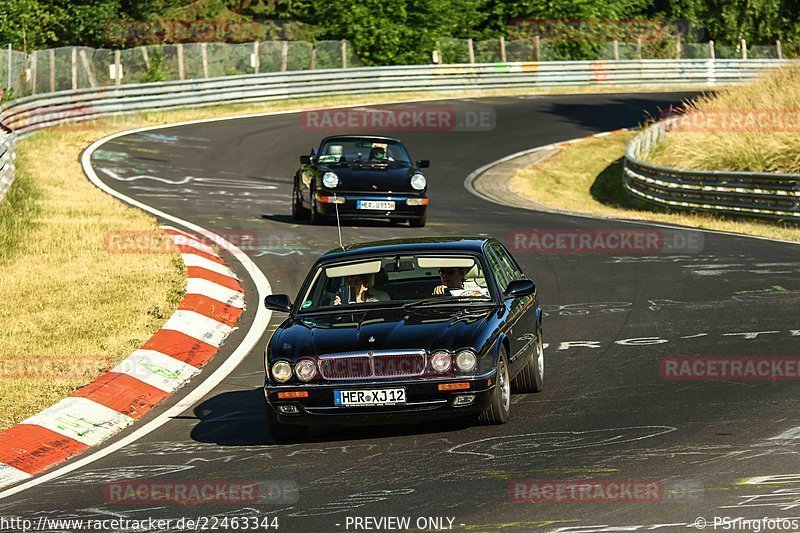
{"x": 349, "y": 209}
{"x": 424, "y": 401}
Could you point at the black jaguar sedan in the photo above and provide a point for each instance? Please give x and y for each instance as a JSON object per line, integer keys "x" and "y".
{"x": 361, "y": 176}
{"x": 404, "y": 330}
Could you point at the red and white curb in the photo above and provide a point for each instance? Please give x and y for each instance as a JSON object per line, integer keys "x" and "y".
{"x": 212, "y": 305}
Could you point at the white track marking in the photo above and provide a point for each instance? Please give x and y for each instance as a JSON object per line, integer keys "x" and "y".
{"x": 157, "y": 369}
{"x": 215, "y": 291}
{"x": 194, "y": 260}
{"x": 198, "y": 326}
{"x": 9, "y": 474}
{"x": 78, "y": 418}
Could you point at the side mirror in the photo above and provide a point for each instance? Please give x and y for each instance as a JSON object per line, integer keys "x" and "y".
{"x": 305, "y": 159}
{"x": 278, "y": 302}
{"x": 520, "y": 287}
{"x": 423, "y": 163}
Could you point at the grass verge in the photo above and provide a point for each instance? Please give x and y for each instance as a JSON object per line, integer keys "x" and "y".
{"x": 72, "y": 310}
{"x": 587, "y": 178}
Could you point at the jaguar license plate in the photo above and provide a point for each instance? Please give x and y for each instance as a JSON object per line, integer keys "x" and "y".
{"x": 351, "y": 398}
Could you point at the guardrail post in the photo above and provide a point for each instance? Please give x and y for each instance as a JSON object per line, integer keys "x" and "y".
{"x": 471, "y": 50}
{"x": 639, "y": 47}
{"x": 744, "y": 49}
{"x": 779, "y": 49}
{"x": 256, "y": 62}
{"x": 74, "y": 68}
{"x": 537, "y": 48}
{"x": 344, "y": 53}
{"x": 284, "y": 56}
{"x": 52, "y": 70}
{"x": 314, "y": 56}
{"x": 616, "y": 50}
{"x": 204, "y": 56}
{"x": 8, "y": 60}
{"x": 503, "y": 49}
{"x": 711, "y": 53}
{"x": 678, "y": 48}
{"x": 181, "y": 69}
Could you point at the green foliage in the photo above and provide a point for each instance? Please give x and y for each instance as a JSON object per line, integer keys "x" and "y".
{"x": 154, "y": 72}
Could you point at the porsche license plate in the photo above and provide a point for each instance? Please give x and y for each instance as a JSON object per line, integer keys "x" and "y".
{"x": 369, "y": 397}
{"x": 375, "y": 205}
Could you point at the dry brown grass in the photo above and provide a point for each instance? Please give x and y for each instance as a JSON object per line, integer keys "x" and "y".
{"x": 753, "y": 127}
{"x": 587, "y": 178}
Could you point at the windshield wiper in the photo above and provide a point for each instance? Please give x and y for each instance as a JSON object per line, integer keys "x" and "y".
{"x": 444, "y": 299}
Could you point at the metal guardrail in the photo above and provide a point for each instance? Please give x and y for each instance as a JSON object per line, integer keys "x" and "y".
{"x": 6, "y": 161}
{"x": 30, "y": 113}
{"x": 755, "y": 194}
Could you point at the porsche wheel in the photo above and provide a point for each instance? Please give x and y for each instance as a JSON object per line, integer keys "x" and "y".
{"x": 299, "y": 212}
{"x": 531, "y": 377}
{"x": 418, "y": 222}
{"x": 499, "y": 408}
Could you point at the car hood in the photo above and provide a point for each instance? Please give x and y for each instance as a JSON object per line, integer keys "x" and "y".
{"x": 390, "y": 178}
{"x": 381, "y": 329}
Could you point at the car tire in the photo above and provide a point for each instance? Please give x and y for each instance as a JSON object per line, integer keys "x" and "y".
{"x": 298, "y": 211}
{"x": 418, "y": 222}
{"x": 531, "y": 377}
{"x": 499, "y": 408}
{"x": 280, "y": 432}
{"x": 314, "y": 216}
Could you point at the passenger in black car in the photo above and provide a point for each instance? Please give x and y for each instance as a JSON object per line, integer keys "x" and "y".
{"x": 361, "y": 290}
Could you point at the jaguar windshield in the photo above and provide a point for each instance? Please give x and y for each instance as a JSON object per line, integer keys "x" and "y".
{"x": 397, "y": 280}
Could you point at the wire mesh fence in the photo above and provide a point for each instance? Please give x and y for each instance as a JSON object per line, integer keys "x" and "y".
{"x": 71, "y": 68}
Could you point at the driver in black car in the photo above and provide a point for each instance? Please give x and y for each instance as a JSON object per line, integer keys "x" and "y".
{"x": 452, "y": 278}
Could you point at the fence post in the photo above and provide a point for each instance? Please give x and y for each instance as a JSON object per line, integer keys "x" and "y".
{"x": 471, "y": 50}
{"x": 639, "y": 47}
{"x": 117, "y": 67}
{"x": 146, "y": 57}
{"x": 8, "y": 64}
{"x": 33, "y": 71}
{"x": 88, "y": 68}
{"x": 616, "y": 50}
{"x": 74, "y": 68}
{"x": 344, "y": 53}
{"x": 204, "y": 56}
{"x": 678, "y": 48}
{"x": 313, "y": 56}
{"x": 744, "y": 49}
{"x": 52, "y": 70}
{"x": 779, "y": 49}
{"x": 537, "y": 48}
{"x": 503, "y": 49}
{"x": 284, "y": 55}
{"x": 181, "y": 69}
{"x": 711, "y": 53}
{"x": 256, "y": 62}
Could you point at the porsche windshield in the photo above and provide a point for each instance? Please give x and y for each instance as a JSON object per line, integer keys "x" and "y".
{"x": 342, "y": 151}
{"x": 397, "y": 280}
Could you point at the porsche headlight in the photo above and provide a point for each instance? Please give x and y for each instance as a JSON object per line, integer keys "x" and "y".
{"x": 330, "y": 180}
{"x": 305, "y": 370}
{"x": 418, "y": 182}
{"x": 466, "y": 360}
{"x": 282, "y": 371}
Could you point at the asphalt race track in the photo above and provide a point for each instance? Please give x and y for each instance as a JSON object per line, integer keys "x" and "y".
{"x": 606, "y": 412}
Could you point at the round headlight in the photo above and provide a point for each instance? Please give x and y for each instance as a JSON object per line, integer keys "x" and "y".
{"x": 418, "y": 181}
{"x": 282, "y": 371}
{"x": 441, "y": 362}
{"x": 466, "y": 360}
{"x": 330, "y": 180}
{"x": 305, "y": 370}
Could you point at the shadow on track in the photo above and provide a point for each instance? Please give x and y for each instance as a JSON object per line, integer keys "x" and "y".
{"x": 238, "y": 418}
